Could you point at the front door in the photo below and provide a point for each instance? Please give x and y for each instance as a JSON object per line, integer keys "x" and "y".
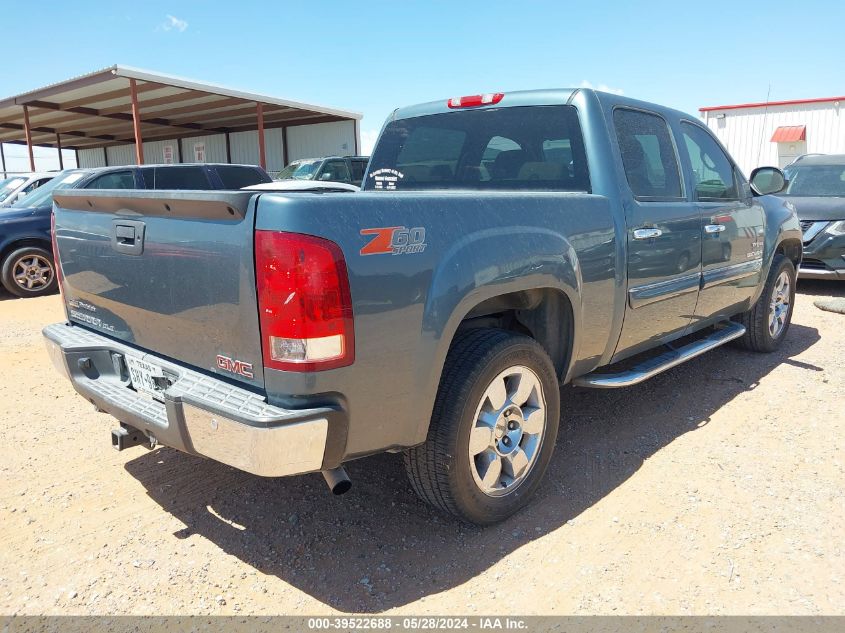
{"x": 663, "y": 235}
{"x": 732, "y": 226}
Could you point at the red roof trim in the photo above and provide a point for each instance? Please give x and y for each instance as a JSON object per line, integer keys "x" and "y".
{"x": 770, "y": 103}
{"x": 790, "y": 134}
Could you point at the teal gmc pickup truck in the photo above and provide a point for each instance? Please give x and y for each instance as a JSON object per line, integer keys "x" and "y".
{"x": 502, "y": 245}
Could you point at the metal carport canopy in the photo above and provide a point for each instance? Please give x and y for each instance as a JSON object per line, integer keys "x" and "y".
{"x": 120, "y": 104}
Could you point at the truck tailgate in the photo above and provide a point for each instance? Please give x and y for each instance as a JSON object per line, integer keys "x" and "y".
{"x": 170, "y": 272}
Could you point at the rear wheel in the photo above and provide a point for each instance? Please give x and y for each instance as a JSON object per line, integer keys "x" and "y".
{"x": 29, "y": 272}
{"x": 767, "y": 322}
{"x": 493, "y": 428}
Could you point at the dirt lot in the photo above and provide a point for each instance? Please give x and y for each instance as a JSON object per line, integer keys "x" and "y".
{"x": 715, "y": 488}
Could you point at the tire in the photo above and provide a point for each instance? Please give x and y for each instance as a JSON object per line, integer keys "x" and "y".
{"x": 444, "y": 472}
{"x": 767, "y": 322}
{"x": 29, "y": 272}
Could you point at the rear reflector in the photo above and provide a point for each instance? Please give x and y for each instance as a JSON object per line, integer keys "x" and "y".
{"x": 304, "y": 302}
{"x": 473, "y": 101}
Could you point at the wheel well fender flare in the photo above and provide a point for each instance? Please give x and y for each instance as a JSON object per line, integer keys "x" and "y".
{"x": 481, "y": 267}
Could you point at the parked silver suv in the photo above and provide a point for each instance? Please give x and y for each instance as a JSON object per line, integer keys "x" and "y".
{"x": 15, "y": 187}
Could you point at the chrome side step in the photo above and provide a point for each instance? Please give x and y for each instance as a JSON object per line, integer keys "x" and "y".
{"x": 653, "y": 366}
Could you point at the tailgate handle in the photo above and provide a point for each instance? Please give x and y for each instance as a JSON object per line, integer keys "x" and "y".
{"x": 124, "y": 234}
{"x": 128, "y": 237}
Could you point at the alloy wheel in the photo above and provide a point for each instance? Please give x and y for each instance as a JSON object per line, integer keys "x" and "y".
{"x": 32, "y": 272}
{"x": 508, "y": 431}
{"x": 779, "y": 305}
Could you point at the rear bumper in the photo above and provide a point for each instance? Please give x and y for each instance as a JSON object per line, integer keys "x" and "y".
{"x": 200, "y": 414}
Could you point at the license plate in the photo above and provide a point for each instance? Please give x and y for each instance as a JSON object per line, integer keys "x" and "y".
{"x": 142, "y": 375}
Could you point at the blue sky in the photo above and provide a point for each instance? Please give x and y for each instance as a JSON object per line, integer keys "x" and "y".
{"x": 373, "y": 56}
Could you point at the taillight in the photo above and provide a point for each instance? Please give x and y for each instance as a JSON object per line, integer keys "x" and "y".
{"x": 473, "y": 101}
{"x": 304, "y": 302}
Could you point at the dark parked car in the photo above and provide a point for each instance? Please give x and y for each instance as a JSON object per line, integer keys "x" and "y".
{"x": 348, "y": 169}
{"x": 817, "y": 189}
{"x": 26, "y": 260}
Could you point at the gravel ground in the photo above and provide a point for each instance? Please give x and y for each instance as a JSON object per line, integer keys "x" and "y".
{"x": 715, "y": 488}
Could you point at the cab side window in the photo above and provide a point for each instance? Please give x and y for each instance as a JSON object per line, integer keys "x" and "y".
{"x": 358, "y": 169}
{"x": 238, "y": 177}
{"x": 177, "y": 177}
{"x": 712, "y": 170}
{"x": 336, "y": 171}
{"x": 33, "y": 186}
{"x": 113, "y": 180}
{"x": 648, "y": 156}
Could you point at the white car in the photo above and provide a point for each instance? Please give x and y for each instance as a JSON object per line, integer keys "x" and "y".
{"x": 16, "y": 187}
{"x": 304, "y": 185}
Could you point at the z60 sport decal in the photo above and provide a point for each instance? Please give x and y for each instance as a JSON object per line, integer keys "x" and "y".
{"x": 394, "y": 240}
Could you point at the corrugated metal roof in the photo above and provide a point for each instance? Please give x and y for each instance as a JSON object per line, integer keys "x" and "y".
{"x": 94, "y": 110}
{"x": 790, "y": 134}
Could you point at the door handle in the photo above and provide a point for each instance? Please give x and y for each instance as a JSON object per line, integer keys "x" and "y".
{"x": 647, "y": 234}
{"x": 714, "y": 228}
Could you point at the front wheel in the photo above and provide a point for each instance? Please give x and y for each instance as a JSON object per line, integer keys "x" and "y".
{"x": 767, "y": 322}
{"x": 29, "y": 272}
{"x": 493, "y": 428}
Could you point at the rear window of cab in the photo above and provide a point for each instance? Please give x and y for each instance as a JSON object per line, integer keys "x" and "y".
{"x": 533, "y": 148}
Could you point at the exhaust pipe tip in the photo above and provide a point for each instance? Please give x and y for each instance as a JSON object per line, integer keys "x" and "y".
{"x": 337, "y": 479}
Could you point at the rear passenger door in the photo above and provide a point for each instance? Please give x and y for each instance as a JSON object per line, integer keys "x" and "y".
{"x": 732, "y": 224}
{"x": 663, "y": 234}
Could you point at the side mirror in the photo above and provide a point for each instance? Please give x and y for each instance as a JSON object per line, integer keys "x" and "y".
{"x": 766, "y": 180}
{"x": 326, "y": 176}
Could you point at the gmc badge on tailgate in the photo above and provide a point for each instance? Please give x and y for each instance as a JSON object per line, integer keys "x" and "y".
{"x": 235, "y": 366}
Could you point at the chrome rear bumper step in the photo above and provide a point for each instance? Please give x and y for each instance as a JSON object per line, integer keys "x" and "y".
{"x": 197, "y": 413}
{"x": 653, "y": 366}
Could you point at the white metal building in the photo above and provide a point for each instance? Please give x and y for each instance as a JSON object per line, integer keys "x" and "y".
{"x": 774, "y": 133}
{"x": 303, "y": 141}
